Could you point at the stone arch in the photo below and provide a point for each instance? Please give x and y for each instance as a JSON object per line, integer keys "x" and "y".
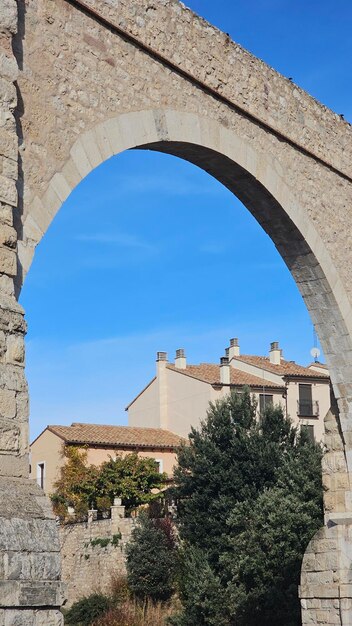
{"x": 83, "y": 80}
{"x": 257, "y": 178}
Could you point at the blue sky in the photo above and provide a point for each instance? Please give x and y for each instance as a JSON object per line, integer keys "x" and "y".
{"x": 150, "y": 253}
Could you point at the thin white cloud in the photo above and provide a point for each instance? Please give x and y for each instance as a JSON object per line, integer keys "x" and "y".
{"x": 214, "y": 248}
{"x": 123, "y": 240}
{"x": 155, "y": 184}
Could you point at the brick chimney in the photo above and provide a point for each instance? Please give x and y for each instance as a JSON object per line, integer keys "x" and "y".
{"x": 224, "y": 370}
{"x": 234, "y": 349}
{"x": 275, "y": 353}
{"x": 180, "y": 360}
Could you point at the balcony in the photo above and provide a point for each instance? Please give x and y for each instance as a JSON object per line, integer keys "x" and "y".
{"x": 307, "y": 408}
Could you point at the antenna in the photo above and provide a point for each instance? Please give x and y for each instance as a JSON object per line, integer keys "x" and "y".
{"x": 315, "y": 352}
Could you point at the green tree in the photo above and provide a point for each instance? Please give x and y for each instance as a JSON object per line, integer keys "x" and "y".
{"x": 75, "y": 486}
{"x": 136, "y": 480}
{"x": 150, "y": 562}
{"x": 132, "y": 478}
{"x": 250, "y": 498}
{"x": 87, "y": 610}
{"x": 203, "y": 597}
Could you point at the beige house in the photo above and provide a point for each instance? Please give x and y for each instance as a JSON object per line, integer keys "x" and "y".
{"x": 101, "y": 442}
{"x": 178, "y": 396}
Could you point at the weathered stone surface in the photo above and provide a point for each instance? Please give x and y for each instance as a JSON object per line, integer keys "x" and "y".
{"x": 15, "y": 349}
{"x": 87, "y": 568}
{"x": 8, "y": 192}
{"x": 6, "y": 214}
{"x": 8, "y": 141}
{"x": 7, "y": 402}
{"x": 10, "y": 438}
{"x": 41, "y": 617}
{"x": 8, "y": 261}
{"x": 8, "y": 16}
{"x": 29, "y": 566}
{"x": 8, "y": 66}
{"x": 86, "y": 93}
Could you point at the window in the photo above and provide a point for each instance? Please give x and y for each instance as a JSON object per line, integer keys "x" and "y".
{"x": 306, "y": 406}
{"x": 309, "y": 430}
{"x": 265, "y": 400}
{"x": 160, "y": 464}
{"x": 41, "y": 474}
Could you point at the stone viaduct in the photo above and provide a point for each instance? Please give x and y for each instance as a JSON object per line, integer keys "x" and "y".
{"x": 82, "y": 82}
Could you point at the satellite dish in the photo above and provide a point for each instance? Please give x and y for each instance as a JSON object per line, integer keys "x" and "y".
{"x": 315, "y": 352}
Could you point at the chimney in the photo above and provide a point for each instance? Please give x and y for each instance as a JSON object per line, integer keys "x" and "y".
{"x": 224, "y": 370}
{"x": 161, "y": 375}
{"x": 161, "y": 362}
{"x": 234, "y": 349}
{"x": 275, "y": 353}
{"x": 180, "y": 360}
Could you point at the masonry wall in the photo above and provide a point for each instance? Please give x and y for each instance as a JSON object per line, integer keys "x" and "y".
{"x": 88, "y": 567}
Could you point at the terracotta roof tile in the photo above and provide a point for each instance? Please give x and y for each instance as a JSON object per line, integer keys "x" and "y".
{"x": 210, "y": 373}
{"x": 117, "y": 436}
{"x": 286, "y": 368}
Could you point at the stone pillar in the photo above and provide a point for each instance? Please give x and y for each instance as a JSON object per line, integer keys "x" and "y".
{"x": 326, "y": 577}
{"x": 117, "y": 513}
{"x": 92, "y": 515}
{"x": 29, "y": 545}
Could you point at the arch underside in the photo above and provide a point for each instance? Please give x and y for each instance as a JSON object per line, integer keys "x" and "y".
{"x": 250, "y": 175}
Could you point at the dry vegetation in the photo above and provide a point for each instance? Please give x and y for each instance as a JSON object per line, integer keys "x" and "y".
{"x": 130, "y": 614}
{"x": 127, "y": 612}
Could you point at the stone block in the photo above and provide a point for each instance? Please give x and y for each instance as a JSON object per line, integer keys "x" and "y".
{"x": 12, "y": 377}
{"x": 8, "y": 66}
{"x": 8, "y": 141}
{"x": 9, "y": 437}
{"x": 43, "y": 617}
{"x": 31, "y": 535}
{"x": 14, "y": 466}
{"x": 8, "y": 261}
{"x": 7, "y": 284}
{"x": 15, "y": 349}
{"x": 6, "y": 214}
{"x": 8, "y": 191}
{"x": 30, "y": 593}
{"x": 8, "y": 168}
{"x": 8, "y": 236}
{"x": 7, "y": 403}
{"x": 8, "y": 16}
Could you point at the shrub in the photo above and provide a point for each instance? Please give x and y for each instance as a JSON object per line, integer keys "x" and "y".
{"x": 150, "y": 562}
{"x": 86, "y": 610}
{"x": 103, "y": 503}
{"x": 130, "y": 614}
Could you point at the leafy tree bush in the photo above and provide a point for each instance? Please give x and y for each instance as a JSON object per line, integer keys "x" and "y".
{"x": 150, "y": 562}
{"x": 86, "y": 610}
{"x": 75, "y": 486}
{"x": 82, "y": 486}
{"x": 130, "y": 477}
{"x": 250, "y": 499}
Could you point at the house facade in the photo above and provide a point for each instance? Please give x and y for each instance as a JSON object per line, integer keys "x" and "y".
{"x": 178, "y": 396}
{"x": 102, "y": 443}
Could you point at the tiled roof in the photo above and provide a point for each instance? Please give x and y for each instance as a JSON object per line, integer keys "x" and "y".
{"x": 210, "y": 373}
{"x": 117, "y": 436}
{"x": 286, "y": 368}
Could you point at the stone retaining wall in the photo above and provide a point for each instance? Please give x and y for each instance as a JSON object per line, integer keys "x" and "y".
{"x": 87, "y": 563}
